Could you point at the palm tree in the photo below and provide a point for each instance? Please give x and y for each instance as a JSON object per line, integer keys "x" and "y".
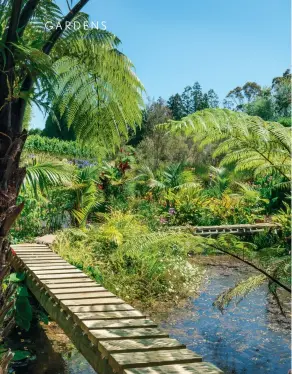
{"x": 81, "y": 74}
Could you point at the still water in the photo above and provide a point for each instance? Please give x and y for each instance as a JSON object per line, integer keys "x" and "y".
{"x": 249, "y": 338}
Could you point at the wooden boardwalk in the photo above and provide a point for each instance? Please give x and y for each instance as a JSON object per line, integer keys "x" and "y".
{"x": 244, "y": 229}
{"x": 112, "y": 335}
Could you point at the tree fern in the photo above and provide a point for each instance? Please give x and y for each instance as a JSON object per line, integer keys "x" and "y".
{"x": 248, "y": 142}
{"x": 43, "y": 172}
{"x": 85, "y": 78}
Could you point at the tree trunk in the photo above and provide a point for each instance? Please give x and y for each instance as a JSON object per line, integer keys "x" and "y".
{"x": 11, "y": 178}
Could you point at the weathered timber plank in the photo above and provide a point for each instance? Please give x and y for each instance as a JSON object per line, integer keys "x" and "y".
{"x": 123, "y": 314}
{"x": 32, "y": 251}
{"x": 85, "y": 295}
{"x": 195, "y": 368}
{"x": 99, "y": 301}
{"x": 98, "y": 308}
{"x": 43, "y": 256}
{"x": 117, "y": 334}
{"x": 74, "y": 279}
{"x": 117, "y": 324}
{"x": 71, "y": 285}
{"x": 44, "y": 264}
{"x": 25, "y": 245}
{"x": 58, "y": 271}
{"x": 62, "y": 276}
{"x": 119, "y": 311}
{"x": 108, "y": 347}
{"x": 121, "y": 361}
{"x": 51, "y": 267}
{"x": 29, "y": 258}
{"x": 77, "y": 289}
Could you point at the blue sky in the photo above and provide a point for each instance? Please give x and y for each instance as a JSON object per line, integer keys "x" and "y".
{"x": 220, "y": 43}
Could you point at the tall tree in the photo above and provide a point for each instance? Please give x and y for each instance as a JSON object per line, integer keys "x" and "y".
{"x": 81, "y": 73}
{"x": 175, "y": 104}
{"x": 281, "y": 88}
{"x": 213, "y": 99}
{"x": 198, "y": 97}
{"x": 188, "y": 100}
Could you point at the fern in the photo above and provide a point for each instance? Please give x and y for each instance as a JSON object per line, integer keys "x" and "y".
{"x": 248, "y": 142}
{"x": 43, "y": 172}
{"x": 85, "y": 78}
{"x": 239, "y": 291}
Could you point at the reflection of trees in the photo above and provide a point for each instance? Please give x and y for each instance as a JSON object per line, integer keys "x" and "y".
{"x": 276, "y": 317}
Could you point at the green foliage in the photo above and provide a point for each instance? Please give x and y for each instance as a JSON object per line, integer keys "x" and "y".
{"x": 56, "y": 147}
{"x": 81, "y": 78}
{"x": 132, "y": 261}
{"x": 23, "y": 312}
{"x": 191, "y": 100}
{"x": 21, "y": 309}
{"x": 248, "y": 142}
{"x": 270, "y": 103}
{"x": 16, "y": 277}
{"x": 84, "y": 194}
{"x": 21, "y": 355}
{"x": 43, "y": 173}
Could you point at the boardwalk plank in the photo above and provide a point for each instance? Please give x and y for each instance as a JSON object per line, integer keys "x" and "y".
{"x": 58, "y": 271}
{"x": 120, "y": 361}
{"x": 48, "y": 262}
{"x": 29, "y": 245}
{"x": 85, "y": 295}
{"x": 106, "y": 315}
{"x": 77, "y": 289}
{"x": 71, "y": 285}
{"x": 32, "y": 251}
{"x": 117, "y": 334}
{"x": 86, "y": 311}
{"x": 99, "y": 301}
{"x": 62, "y": 276}
{"x": 195, "y": 368}
{"x": 41, "y": 256}
{"x": 137, "y": 345}
{"x": 51, "y": 267}
{"x": 58, "y": 281}
{"x": 118, "y": 324}
{"x": 27, "y": 258}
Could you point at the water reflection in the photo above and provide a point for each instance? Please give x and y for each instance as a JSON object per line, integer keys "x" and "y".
{"x": 245, "y": 339}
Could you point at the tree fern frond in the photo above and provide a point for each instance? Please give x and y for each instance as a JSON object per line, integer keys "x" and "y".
{"x": 239, "y": 291}
{"x": 249, "y": 142}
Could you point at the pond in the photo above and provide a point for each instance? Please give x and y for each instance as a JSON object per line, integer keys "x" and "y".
{"x": 251, "y": 337}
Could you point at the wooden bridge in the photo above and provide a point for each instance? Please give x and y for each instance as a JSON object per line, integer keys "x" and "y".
{"x": 111, "y": 334}
{"x": 244, "y": 229}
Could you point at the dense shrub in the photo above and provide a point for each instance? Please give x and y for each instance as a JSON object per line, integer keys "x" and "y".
{"x": 132, "y": 261}
{"x": 70, "y": 149}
